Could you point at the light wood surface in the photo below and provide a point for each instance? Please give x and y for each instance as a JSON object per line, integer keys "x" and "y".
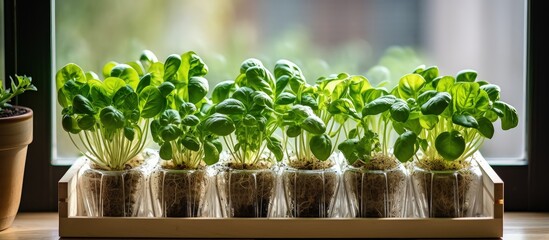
{"x": 517, "y": 225}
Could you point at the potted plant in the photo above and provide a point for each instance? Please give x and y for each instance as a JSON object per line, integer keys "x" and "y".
{"x": 375, "y": 181}
{"x": 450, "y": 118}
{"x": 245, "y": 118}
{"x": 178, "y": 184}
{"x": 15, "y": 136}
{"x": 108, "y": 121}
{"x": 311, "y": 173}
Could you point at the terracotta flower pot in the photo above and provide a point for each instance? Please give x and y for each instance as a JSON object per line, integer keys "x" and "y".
{"x": 15, "y": 136}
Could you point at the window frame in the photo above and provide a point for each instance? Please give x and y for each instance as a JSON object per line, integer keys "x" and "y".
{"x": 28, "y": 32}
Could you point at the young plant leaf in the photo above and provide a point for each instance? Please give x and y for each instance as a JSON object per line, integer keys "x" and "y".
{"x": 313, "y": 124}
{"x": 222, "y": 91}
{"x": 198, "y": 89}
{"x": 112, "y": 118}
{"x": 151, "y": 102}
{"x": 82, "y": 105}
{"x": 348, "y": 148}
{"x": 275, "y": 146}
{"x": 410, "y": 85}
{"x": 510, "y": 116}
{"x": 86, "y": 122}
{"x": 321, "y": 146}
{"x": 436, "y": 104}
{"x": 405, "y": 146}
{"x": 211, "y": 153}
{"x": 466, "y": 75}
{"x": 69, "y": 72}
{"x": 126, "y": 73}
{"x": 450, "y": 145}
{"x": 230, "y": 106}
{"x": 191, "y": 142}
{"x": 166, "y": 152}
{"x": 485, "y": 127}
{"x": 465, "y": 119}
{"x": 219, "y": 124}
{"x": 400, "y": 111}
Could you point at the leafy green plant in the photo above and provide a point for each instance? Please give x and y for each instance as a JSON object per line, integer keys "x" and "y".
{"x": 110, "y": 118}
{"x": 307, "y": 115}
{"x": 24, "y": 83}
{"x": 180, "y": 129}
{"x": 449, "y": 117}
{"x": 244, "y": 115}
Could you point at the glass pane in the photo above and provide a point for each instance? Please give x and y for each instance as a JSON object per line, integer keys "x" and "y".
{"x": 321, "y": 36}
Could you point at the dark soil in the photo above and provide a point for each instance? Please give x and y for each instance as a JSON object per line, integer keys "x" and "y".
{"x": 310, "y": 193}
{"x": 118, "y": 195}
{"x": 447, "y": 193}
{"x": 247, "y": 193}
{"x": 377, "y": 188}
{"x": 181, "y": 193}
{"x": 11, "y": 111}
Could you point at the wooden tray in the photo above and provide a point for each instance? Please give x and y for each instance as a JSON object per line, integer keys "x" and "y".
{"x": 71, "y": 225}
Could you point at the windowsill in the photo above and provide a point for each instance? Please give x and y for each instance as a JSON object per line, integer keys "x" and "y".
{"x": 45, "y": 225}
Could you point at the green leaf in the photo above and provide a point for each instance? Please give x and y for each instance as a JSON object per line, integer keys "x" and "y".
{"x": 428, "y": 121}
{"x": 308, "y": 100}
{"x": 465, "y": 119}
{"x": 143, "y": 82}
{"x": 125, "y": 98}
{"x": 198, "y": 89}
{"x": 136, "y": 65}
{"x": 112, "y": 84}
{"x": 170, "y": 132}
{"x": 70, "y": 124}
{"x": 126, "y": 73}
{"x": 86, "y": 122}
{"x": 405, "y": 146}
{"x": 244, "y": 95}
{"x": 343, "y": 106}
{"x": 211, "y": 153}
{"x": 445, "y": 83}
{"x": 285, "y": 98}
{"x": 129, "y": 133}
{"x": 107, "y": 68}
{"x": 293, "y": 131}
{"x": 466, "y": 75}
{"x": 373, "y": 94}
{"x": 353, "y": 133}
{"x": 281, "y": 83}
{"x": 400, "y": 111}
{"x": 410, "y": 85}
{"x": 231, "y": 106}
{"x": 436, "y": 104}
{"x": 430, "y": 73}
{"x": 190, "y": 120}
{"x": 166, "y": 151}
{"x": 151, "y": 102}
{"x": 485, "y": 127}
{"x": 321, "y": 146}
{"x": 510, "y": 116}
{"x": 157, "y": 73}
{"x": 313, "y": 124}
{"x": 191, "y": 142}
{"x": 82, "y": 105}
{"x": 260, "y": 79}
{"x": 170, "y": 116}
{"x": 450, "y": 145}
{"x": 192, "y": 65}
{"x": 171, "y": 66}
{"x": 275, "y": 146}
{"x": 69, "y": 72}
{"x": 492, "y": 90}
{"x": 156, "y": 128}
{"x": 222, "y": 91}
{"x": 248, "y": 63}
{"x": 219, "y": 124}
{"x": 147, "y": 58}
{"x": 111, "y": 118}
{"x": 378, "y": 105}
{"x": 166, "y": 88}
{"x": 249, "y": 121}
{"x": 187, "y": 108}
{"x": 348, "y": 148}
{"x": 262, "y": 99}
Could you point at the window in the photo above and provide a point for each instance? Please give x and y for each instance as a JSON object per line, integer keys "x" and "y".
{"x": 2, "y": 76}
{"x": 323, "y": 37}
{"x": 28, "y": 49}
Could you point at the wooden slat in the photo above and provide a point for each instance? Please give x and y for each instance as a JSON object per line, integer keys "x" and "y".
{"x": 280, "y": 227}
{"x": 67, "y": 187}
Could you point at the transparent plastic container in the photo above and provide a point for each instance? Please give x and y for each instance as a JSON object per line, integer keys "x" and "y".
{"x": 105, "y": 193}
{"x": 376, "y": 193}
{"x": 447, "y": 194}
{"x": 311, "y": 193}
{"x": 246, "y": 193}
{"x": 178, "y": 193}
{"x": 112, "y": 193}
